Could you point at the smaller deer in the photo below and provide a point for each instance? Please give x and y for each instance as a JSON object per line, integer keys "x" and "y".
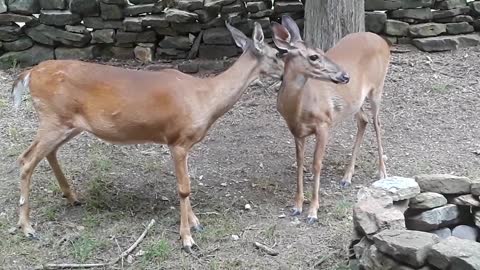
{"x": 321, "y": 89}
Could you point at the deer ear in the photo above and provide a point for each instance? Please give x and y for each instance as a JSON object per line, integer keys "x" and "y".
{"x": 258, "y": 36}
{"x": 240, "y": 39}
{"x": 292, "y": 28}
{"x": 281, "y": 37}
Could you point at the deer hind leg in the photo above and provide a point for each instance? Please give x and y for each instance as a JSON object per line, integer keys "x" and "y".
{"x": 362, "y": 122}
{"x": 321, "y": 143}
{"x": 300, "y": 153}
{"x": 47, "y": 139}
{"x": 375, "y": 100}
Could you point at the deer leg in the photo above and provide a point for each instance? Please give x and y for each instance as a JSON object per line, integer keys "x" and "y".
{"x": 321, "y": 143}
{"x": 46, "y": 141}
{"x": 375, "y": 104}
{"x": 179, "y": 155}
{"x": 300, "y": 153}
{"x": 361, "y": 125}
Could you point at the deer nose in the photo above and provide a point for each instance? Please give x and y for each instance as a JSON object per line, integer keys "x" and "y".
{"x": 343, "y": 77}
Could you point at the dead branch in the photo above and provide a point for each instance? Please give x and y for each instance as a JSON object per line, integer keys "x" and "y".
{"x": 91, "y": 265}
{"x": 269, "y": 251}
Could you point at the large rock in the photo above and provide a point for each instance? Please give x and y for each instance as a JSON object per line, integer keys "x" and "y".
{"x": 133, "y": 24}
{"x": 373, "y": 259}
{"x": 20, "y": 44}
{"x": 237, "y": 7}
{"x": 409, "y": 247}
{"x": 442, "y": 14}
{"x": 477, "y": 218}
{"x": 257, "y": 6}
{"x": 205, "y": 15}
{"x": 180, "y": 16}
{"x": 467, "y": 199}
{"x": 427, "y": 29}
{"x": 217, "y": 36}
{"x": 155, "y": 21}
{"x": 135, "y": 10}
{"x": 217, "y": 51}
{"x": 420, "y": 14}
{"x": 186, "y": 28}
{"x": 84, "y": 7}
{"x": 179, "y": 43}
{"x": 98, "y": 23}
{"x": 170, "y": 53}
{"x": 30, "y": 57}
{"x": 52, "y": 4}
{"x": 443, "y": 233}
{"x": 448, "y": 43}
{"x": 475, "y": 7}
{"x": 50, "y": 35}
{"x": 111, "y": 12}
{"x": 459, "y": 28}
{"x": 450, "y": 4}
{"x": 361, "y": 246}
{"x": 375, "y": 21}
{"x": 103, "y": 36}
{"x": 59, "y": 17}
{"x": 443, "y": 183}
{"x": 427, "y": 200}
{"x": 475, "y": 188}
{"x": 217, "y": 4}
{"x": 465, "y": 232}
{"x": 27, "y": 7}
{"x": 12, "y": 17}
{"x": 10, "y": 32}
{"x": 189, "y": 5}
{"x": 396, "y": 28}
{"x": 435, "y": 218}
{"x": 455, "y": 253}
{"x": 371, "y": 5}
{"x": 417, "y": 3}
{"x": 3, "y": 6}
{"x": 399, "y": 188}
{"x": 144, "y": 52}
{"x": 283, "y": 7}
{"x": 75, "y": 53}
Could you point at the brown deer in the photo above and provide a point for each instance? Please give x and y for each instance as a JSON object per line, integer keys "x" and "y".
{"x": 321, "y": 89}
{"x": 132, "y": 107}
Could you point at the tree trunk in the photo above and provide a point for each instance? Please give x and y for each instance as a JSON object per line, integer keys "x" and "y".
{"x": 327, "y": 21}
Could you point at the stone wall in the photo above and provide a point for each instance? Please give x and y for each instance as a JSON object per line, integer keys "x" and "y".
{"x": 35, "y": 30}
{"x": 429, "y": 222}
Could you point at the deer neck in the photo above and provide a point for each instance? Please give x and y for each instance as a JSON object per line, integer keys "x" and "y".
{"x": 290, "y": 94}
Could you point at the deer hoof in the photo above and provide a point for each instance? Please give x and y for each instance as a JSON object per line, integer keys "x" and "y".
{"x": 296, "y": 212}
{"x": 32, "y": 236}
{"x": 345, "y": 184}
{"x": 198, "y": 228}
{"x": 311, "y": 220}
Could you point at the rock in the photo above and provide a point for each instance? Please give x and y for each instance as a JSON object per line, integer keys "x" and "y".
{"x": 477, "y": 218}
{"x": 121, "y": 3}
{"x": 427, "y": 200}
{"x": 475, "y": 7}
{"x": 421, "y": 14}
{"x": 144, "y": 52}
{"x": 447, "y": 43}
{"x": 435, "y": 218}
{"x": 125, "y": 39}
{"x": 361, "y": 246}
{"x": 441, "y": 14}
{"x": 256, "y": 6}
{"x": 449, "y": 4}
{"x": 52, "y": 4}
{"x": 216, "y": 4}
{"x": 402, "y": 205}
{"x": 443, "y": 183}
{"x": 205, "y": 15}
{"x": 132, "y": 24}
{"x": 465, "y": 232}
{"x": 111, "y": 12}
{"x": 186, "y": 28}
{"x": 427, "y": 29}
{"x": 189, "y": 67}
{"x": 103, "y": 36}
{"x": 396, "y": 28}
{"x": 10, "y": 32}
{"x": 235, "y": 237}
{"x": 375, "y": 21}
{"x": 12, "y": 17}
{"x": 261, "y": 14}
{"x": 417, "y": 3}
{"x": 455, "y": 253}
{"x": 180, "y": 43}
{"x": 76, "y": 28}
{"x": 12, "y": 230}
{"x": 59, "y": 17}
{"x": 26, "y": 7}
{"x": 122, "y": 53}
{"x": 443, "y": 233}
{"x": 189, "y": 5}
{"x": 50, "y": 35}
{"x": 75, "y": 53}
{"x": 84, "y": 7}
{"x": 20, "y": 44}
{"x": 371, "y": 5}
{"x": 26, "y": 58}
{"x": 139, "y": 2}
{"x": 248, "y": 207}
{"x": 373, "y": 259}
{"x": 475, "y": 188}
{"x": 165, "y": 31}
{"x": 212, "y": 65}
{"x": 283, "y": 7}
{"x": 138, "y": 9}
{"x": 234, "y": 7}
{"x": 399, "y": 188}
{"x": 459, "y": 28}
{"x": 155, "y": 21}
{"x": 218, "y": 36}
{"x": 3, "y": 6}
{"x": 98, "y": 23}
{"x": 467, "y": 199}
{"x": 409, "y": 247}
{"x": 170, "y": 53}
{"x": 146, "y": 37}
{"x": 458, "y": 18}
{"x": 180, "y": 16}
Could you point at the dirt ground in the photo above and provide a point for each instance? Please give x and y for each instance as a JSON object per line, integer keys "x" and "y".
{"x": 431, "y": 124}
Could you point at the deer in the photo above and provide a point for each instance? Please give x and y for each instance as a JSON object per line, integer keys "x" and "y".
{"x": 125, "y": 106}
{"x": 321, "y": 89}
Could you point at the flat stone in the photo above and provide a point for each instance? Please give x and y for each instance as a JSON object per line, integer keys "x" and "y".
{"x": 465, "y": 232}
{"x": 450, "y": 4}
{"x": 236, "y": 7}
{"x": 111, "y": 12}
{"x": 283, "y": 7}
{"x": 180, "y": 16}
{"x": 103, "y": 36}
{"x": 3, "y": 6}
{"x": 218, "y": 36}
{"x": 441, "y": 14}
{"x": 217, "y": 4}
{"x": 421, "y": 14}
{"x": 121, "y": 3}
{"x": 179, "y": 43}
{"x": 189, "y": 5}
{"x": 12, "y": 17}
{"x": 455, "y": 253}
{"x": 52, "y": 4}
{"x": 50, "y": 35}
{"x": 375, "y": 21}
{"x": 409, "y": 247}
{"x": 373, "y": 259}
{"x": 417, "y": 3}
{"x": 256, "y": 6}
{"x": 132, "y": 24}
{"x": 477, "y": 218}
{"x": 186, "y": 28}
{"x": 459, "y": 28}
{"x": 443, "y": 233}
{"x": 396, "y": 28}
{"x": 26, "y": 7}
{"x": 467, "y": 199}
{"x": 428, "y": 200}
{"x": 427, "y": 29}
{"x": 189, "y": 67}
{"x": 435, "y": 218}
{"x": 20, "y": 44}
{"x": 371, "y": 5}
{"x": 144, "y": 53}
{"x": 448, "y": 43}
{"x": 155, "y": 21}
{"x": 205, "y": 15}
{"x": 59, "y": 17}
{"x": 10, "y": 32}
{"x": 458, "y": 18}
{"x": 98, "y": 23}
{"x": 75, "y": 53}
{"x": 443, "y": 183}
{"x": 475, "y": 188}
{"x": 146, "y": 37}
{"x": 217, "y": 51}
{"x": 135, "y": 10}
{"x": 84, "y": 7}
{"x": 26, "y": 58}
{"x": 79, "y": 28}
{"x": 399, "y": 188}
{"x": 139, "y": 2}
{"x": 261, "y": 14}
{"x": 170, "y": 53}
{"x": 361, "y": 246}
{"x": 162, "y": 31}
{"x": 475, "y": 7}
{"x": 402, "y": 205}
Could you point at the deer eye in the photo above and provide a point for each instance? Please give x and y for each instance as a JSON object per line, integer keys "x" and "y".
{"x": 313, "y": 57}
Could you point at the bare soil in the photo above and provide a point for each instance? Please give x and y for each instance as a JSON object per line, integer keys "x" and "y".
{"x": 431, "y": 124}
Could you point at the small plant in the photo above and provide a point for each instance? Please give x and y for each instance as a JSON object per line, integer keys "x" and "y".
{"x": 342, "y": 209}
{"x": 83, "y": 247}
{"x": 158, "y": 251}
{"x": 440, "y": 88}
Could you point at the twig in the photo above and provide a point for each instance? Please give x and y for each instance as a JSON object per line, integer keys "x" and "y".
{"x": 324, "y": 259}
{"x": 267, "y": 250}
{"x": 90, "y": 265}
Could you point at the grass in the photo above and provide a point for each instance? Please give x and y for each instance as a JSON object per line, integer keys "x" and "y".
{"x": 342, "y": 209}
{"x": 157, "y": 252}
{"x": 217, "y": 227}
{"x": 440, "y": 88}
{"x": 85, "y": 246}
{"x": 98, "y": 190}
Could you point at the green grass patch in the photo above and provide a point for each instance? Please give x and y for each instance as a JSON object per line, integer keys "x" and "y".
{"x": 157, "y": 252}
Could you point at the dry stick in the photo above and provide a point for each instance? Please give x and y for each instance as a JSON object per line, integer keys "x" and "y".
{"x": 267, "y": 250}
{"x": 90, "y": 265}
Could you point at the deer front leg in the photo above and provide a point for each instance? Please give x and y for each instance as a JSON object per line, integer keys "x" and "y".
{"x": 362, "y": 121}
{"x": 187, "y": 217}
{"x": 321, "y": 142}
{"x": 300, "y": 153}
